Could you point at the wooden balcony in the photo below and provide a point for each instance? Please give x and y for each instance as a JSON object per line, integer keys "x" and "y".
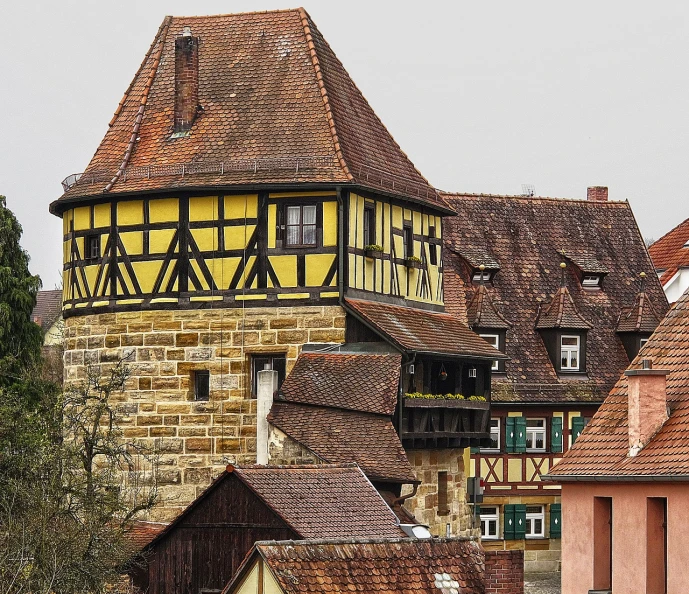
{"x": 443, "y": 423}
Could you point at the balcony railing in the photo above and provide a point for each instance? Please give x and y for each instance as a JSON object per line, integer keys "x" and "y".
{"x": 443, "y": 423}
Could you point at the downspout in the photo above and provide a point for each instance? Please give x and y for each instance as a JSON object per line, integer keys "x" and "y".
{"x": 340, "y": 244}
{"x": 401, "y": 500}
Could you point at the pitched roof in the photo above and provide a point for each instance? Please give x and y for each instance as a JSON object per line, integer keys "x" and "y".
{"x": 482, "y": 313}
{"x": 315, "y": 500}
{"x": 277, "y": 105}
{"x": 585, "y": 262}
{"x": 422, "y": 331}
{"x": 323, "y": 501}
{"x": 562, "y": 313}
{"x": 640, "y": 317}
{"x": 601, "y": 450}
{"x": 141, "y": 533}
{"x": 401, "y": 566}
{"x": 363, "y": 382}
{"x": 669, "y": 254}
{"x": 341, "y": 436}
{"x": 526, "y": 237}
{"x": 47, "y": 309}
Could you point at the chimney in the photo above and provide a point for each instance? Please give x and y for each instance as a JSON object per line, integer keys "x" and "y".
{"x": 646, "y": 404}
{"x": 186, "y": 80}
{"x": 597, "y": 194}
{"x": 267, "y": 386}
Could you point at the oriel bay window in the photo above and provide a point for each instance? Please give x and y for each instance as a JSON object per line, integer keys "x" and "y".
{"x": 301, "y": 225}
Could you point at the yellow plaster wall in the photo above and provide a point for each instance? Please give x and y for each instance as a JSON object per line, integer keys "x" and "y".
{"x": 130, "y": 212}
{"x": 165, "y": 210}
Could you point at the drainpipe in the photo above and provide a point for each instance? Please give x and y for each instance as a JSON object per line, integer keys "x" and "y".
{"x": 401, "y": 500}
{"x": 340, "y": 244}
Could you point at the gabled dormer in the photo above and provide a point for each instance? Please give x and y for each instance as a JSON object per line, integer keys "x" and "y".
{"x": 589, "y": 271}
{"x": 481, "y": 265}
{"x": 636, "y": 323}
{"x": 564, "y": 331}
{"x": 484, "y": 318}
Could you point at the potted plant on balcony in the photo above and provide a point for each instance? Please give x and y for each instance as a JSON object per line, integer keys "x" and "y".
{"x": 413, "y": 262}
{"x": 373, "y": 250}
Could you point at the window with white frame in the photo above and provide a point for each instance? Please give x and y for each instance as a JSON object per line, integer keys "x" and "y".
{"x": 494, "y": 437}
{"x": 591, "y": 280}
{"x": 490, "y": 523}
{"x": 535, "y": 521}
{"x": 570, "y": 351}
{"x": 482, "y": 275}
{"x": 535, "y": 435}
{"x": 494, "y": 341}
{"x": 642, "y": 342}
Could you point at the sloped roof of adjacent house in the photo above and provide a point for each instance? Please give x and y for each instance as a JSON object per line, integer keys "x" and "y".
{"x": 421, "y": 331}
{"x": 140, "y": 533}
{"x": 276, "y": 107}
{"x": 315, "y": 500}
{"x": 528, "y": 238}
{"x": 601, "y": 451}
{"x": 361, "y": 382}
{"x": 370, "y": 566}
{"x": 47, "y": 309}
{"x": 669, "y": 253}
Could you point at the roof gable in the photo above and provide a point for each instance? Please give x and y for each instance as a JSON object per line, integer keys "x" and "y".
{"x": 276, "y": 106}
{"x": 482, "y": 313}
{"x": 562, "y": 313}
{"x": 669, "y": 254}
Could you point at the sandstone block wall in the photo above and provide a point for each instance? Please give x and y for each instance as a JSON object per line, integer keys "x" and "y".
{"x": 424, "y": 505}
{"x": 193, "y": 439}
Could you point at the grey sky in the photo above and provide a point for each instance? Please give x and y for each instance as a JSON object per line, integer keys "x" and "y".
{"x": 483, "y": 96}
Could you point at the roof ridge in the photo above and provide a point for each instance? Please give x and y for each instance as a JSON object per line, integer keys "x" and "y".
{"x": 529, "y": 198}
{"x": 304, "y": 16}
{"x": 162, "y": 34}
{"x": 356, "y": 541}
{"x": 234, "y": 14}
{"x": 327, "y": 466}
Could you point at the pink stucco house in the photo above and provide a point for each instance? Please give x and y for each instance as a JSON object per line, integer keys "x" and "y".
{"x": 625, "y": 483}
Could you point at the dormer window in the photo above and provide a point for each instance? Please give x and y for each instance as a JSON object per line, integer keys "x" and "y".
{"x": 485, "y": 276}
{"x": 686, "y": 244}
{"x": 592, "y": 281}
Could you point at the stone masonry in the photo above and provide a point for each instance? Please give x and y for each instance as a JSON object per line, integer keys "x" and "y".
{"x": 193, "y": 439}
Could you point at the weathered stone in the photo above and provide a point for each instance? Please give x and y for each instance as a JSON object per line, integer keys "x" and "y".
{"x": 195, "y": 444}
{"x": 186, "y": 339}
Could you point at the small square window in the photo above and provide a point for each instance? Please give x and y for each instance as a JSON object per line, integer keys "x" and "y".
{"x": 490, "y": 523}
{"x": 591, "y": 281}
{"x": 262, "y": 362}
{"x": 494, "y": 437}
{"x": 202, "y": 384}
{"x": 92, "y": 247}
{"x": 535, "y": 435}
{"x": 642, "y": 342}
{"x": 301, "y": 225}
{"x": 570, "y": 350}
{"x": 535, "y": 521}
{"x": 494, "y": 341}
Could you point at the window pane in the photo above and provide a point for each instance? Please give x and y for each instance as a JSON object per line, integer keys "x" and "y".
{"x": 310, "y": 215}
{"x": 570, "y": 341}
{"x": 534, "y": 509}
{"x": 535, "y": 422}
{"x": 309, "y": 235}
{"x": 540, "y": 441}
{"x": 293, "y": 235}
{"x": 573, "y": 360}
{"x": 538, "y": 526}
{"x": 492, "y": 528}
{"x": 293, "y": 213}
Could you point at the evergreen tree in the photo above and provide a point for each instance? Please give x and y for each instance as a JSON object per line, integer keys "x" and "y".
{"x": 20, "y": 338}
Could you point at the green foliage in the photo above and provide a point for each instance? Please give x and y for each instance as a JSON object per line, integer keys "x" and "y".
{"x": 419, "y": 395}
{"x": 20, "y": 338}
{"x": 373, "y": 247}
{"x": 413, "y": 259}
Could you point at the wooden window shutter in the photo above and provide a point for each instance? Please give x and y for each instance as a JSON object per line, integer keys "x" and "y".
{"x": 508, "y": 522}
{"x": 556, "y": 435}
{"x": 520, "y": 435}
{"x": 578, "y": 424}
{"x": 443, "y": 507}
{"x": 555, "y": 520}
{"x": 474, "y": 450}
{"x": 520, "y": 521}
{"x": 510, "y": 435}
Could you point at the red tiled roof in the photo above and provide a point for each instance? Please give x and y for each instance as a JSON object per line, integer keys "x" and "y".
{"x": 601, "y": 450}
{"x": 482, "y": 313}
{"x": 363, "y": 382}
{"x": 640, "y": 317}
{"x": 323, "y": 501}
{"x": 433, "y": 566}
{"x": 141, "y": 533}
{"x": 422, "y": 331}
{"x": 526, "y": 236}
{"x": 47, "y": 309}
{"x": 341, "y": 436}
{"x": 562, "y": 313}
{"x": 669, "y": 253}
{"x": 271, "y": 89}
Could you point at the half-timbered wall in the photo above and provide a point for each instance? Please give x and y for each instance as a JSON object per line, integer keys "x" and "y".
{"x": 389, "y": 273}
{"x": 182, "y": 251}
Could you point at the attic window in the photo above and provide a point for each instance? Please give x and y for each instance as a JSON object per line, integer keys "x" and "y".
{"x": 686, "y": 244}
{"x": 482, "y": 275}
{"x": 592, "y": 281}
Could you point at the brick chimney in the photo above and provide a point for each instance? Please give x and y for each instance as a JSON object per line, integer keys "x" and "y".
{"x": 186, "y": 80}
{"x": 597, "y": 194}
{"x": 646, "y": 404}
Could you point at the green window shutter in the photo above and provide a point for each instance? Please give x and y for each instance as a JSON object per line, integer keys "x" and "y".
{"x": 555, "y": 520}
{"x": 520, "y": 521}
{"x": 577, "y": 427}
{"x": 509, "y": 435}
{"x": 556, "y": 435}
{"x": 520, "y": 435}
{"x": 508, "y": 522}
{"x": 474, "y": 450}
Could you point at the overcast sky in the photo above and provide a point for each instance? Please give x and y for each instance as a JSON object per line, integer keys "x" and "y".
{"x": 483, "y": 96}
